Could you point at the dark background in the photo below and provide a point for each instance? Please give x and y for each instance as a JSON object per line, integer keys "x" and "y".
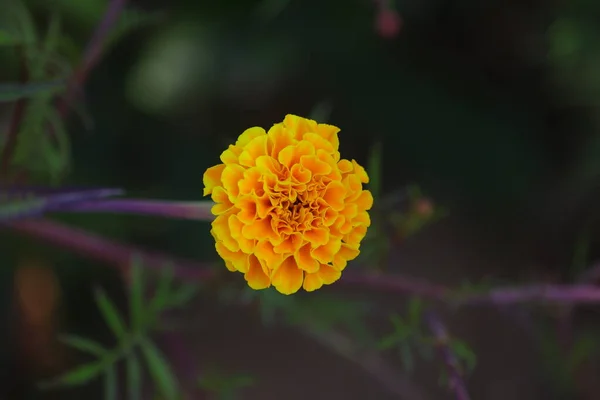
{"x": 490, "y": 107}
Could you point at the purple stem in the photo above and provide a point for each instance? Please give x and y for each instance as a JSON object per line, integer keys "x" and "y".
{"x": 25, "y": 190}
{"x": 398, "y": 283}
{"x": 184, "y": 363}
{"x": 99, "y": 248}
{"x": 561, "y": 294}
{"x": 92, "y": 53}
{"x": 35, "y": 206}
{"x": 442, "y": 342}
{"x": 171, "y": 209}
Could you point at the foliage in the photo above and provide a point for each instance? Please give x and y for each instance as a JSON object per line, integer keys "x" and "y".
{"x": 134, "y": 342}
{"x": 224, "y": 386}
{"x": 408, "y": 335}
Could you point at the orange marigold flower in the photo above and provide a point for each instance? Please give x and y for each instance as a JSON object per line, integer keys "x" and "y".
{"x": 289, "y": 212}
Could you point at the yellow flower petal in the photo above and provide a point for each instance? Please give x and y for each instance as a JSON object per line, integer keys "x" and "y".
{"x": 360, "y": 172}
{"x": 299, "y": 125}
{"x": 264, "y": 251}
{"x": 346, "y": 253}
{"x": 221, "y": 230}
{"x": 365, "y": 200}
{"x": 317, "y": 236}
{"x": 257, "y": 147}
{"x": 287, "y": 279}
{"x": 345, "y": 166}
{"x": 230, "y": 156}
{"x": 248, "y": 209}
{"x": 334, "y": 195}
{"x": 280, "y": 139}
{"x": 304, "y": 259}
{"x": 235, "y": 227}
{"x": 221, "y": 199}
{"x": 315, "y": 165}
{"x": 231, "y": 175}
{"x": 356, "y": 235}
{"x": 237, "y": 260}
{"x": 312, "y": 282}
{"x": 251, "y": 184}
{"x": 330, "y": 133}
{"x": 328, "y": 274}
{"x": 248, "y": 135}
{"x": 260, "y": 229}
{"x": 257, "y": 276}
{"x": 212, "y": 178}
{"x": 326, "y": 253}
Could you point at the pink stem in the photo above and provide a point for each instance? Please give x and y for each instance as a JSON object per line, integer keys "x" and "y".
{"x": 442, "y": 341}
{"x": 99, "y": 248}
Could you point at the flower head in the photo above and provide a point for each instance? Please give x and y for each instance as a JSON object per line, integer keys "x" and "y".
{"x": 289, "y": 212}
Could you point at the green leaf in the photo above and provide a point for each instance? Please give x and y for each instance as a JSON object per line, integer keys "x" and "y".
{"x": 397, "y": 322}
{"x": 110, "y": 313}
{"x": 58, "y": 154}
{"x": 136, "y": 296}
{"x": 415, "y": 309}
{"x": 374, "y": 170}
{"x": 54, "y": 33}
{"x": 160, "y": 370}
{"x": 388, "y": 342}
{"x": 110, "y": 384}
{"x": 583, "y": 349}
{"x": 443, "y": 379}
{"x": 21, "y": 16}
{"x": 40, "y": 58}
{"x": 84, "y": 345}
{"x": 464, "y": 353}
{"x": 163, "y": 290}
{"x": 183, "y": 295}
{"x": 79, "y": 376}
{"x": 15, "y": 91}
{"x": 8, "y": 39}
{"x": 406, "y": 356}
{"x": 134, "y": 377}
{"x": 222, "y": 385}
{"x": 565, "y": 39}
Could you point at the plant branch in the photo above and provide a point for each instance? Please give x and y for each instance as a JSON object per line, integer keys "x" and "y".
{"x": 92, "y": 55}
{"x": 398, "y": 283}
{"x": 15, "y": 122}
{"x": 393, "y": 380}
{"x": 545, "y": 293}
{"x": 99, "y": 248}
{"x": 199, "y": 211}
{"x": 442, "y": 343}
{"x": 26, "y": 209}
{"x": 102, "y": 249}
{"x": 184, "y": 363}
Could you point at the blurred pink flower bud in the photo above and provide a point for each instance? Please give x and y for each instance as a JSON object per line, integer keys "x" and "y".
{"x": 388, "y": 23}
{"x": 424, "y": 207}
